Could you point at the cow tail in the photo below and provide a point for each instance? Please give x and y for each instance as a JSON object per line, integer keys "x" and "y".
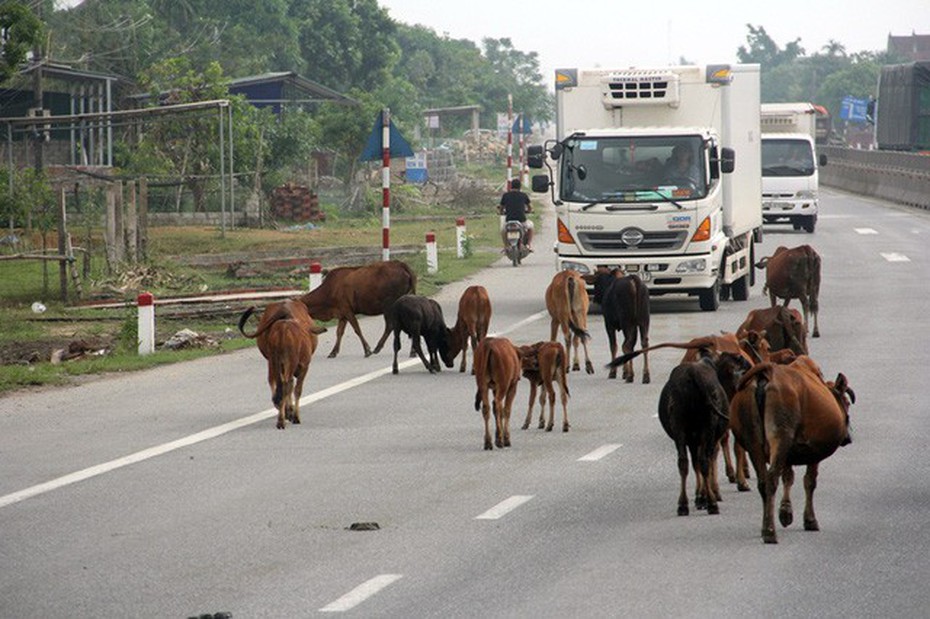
{"x": 485, "y": 361}
{"x": 578, "y": 331}
{"x": 278, "y": 394}
{"x": 815, "y": 282}
{"x": 243, "y": 319}
{"x": 412, "y": 276}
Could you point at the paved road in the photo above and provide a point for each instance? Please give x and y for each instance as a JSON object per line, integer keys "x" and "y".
{"x": 169, "y": 493}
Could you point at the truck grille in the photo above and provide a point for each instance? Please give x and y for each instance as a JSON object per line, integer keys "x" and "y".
{"x": 613, "y": 241}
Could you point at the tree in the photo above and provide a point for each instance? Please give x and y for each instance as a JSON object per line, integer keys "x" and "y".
{"x": 20, "y": 31}
{"x": 763, "y": 50}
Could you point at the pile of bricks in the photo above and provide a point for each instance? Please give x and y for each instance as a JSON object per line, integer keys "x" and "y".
{"x": 296, "y": 203}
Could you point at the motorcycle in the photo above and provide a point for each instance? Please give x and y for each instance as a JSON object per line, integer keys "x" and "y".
{"x": 516, "y": 248}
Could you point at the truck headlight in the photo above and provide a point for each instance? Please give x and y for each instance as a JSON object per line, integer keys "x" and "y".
{"x": 806, "y": 194}
{"x": 698, "y": 265}
{"x": 576, "y": 266}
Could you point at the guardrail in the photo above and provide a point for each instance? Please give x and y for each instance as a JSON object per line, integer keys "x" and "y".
{"x": 893, "y": 176}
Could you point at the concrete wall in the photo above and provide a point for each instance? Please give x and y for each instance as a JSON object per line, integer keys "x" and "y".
{"x": 897, "y": 177}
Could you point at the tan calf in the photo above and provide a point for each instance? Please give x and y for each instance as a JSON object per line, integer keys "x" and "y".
{"x": 546, "y": 364}
{"x": 497, "y": 371}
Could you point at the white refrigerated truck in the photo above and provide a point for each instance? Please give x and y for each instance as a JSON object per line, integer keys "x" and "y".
{"x": 618, "y": 200}
{"x": 789, "y": 164}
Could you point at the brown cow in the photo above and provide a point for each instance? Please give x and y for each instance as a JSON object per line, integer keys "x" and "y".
{"x": 472, "y": 323}
{"x": 369, "y": 290}
{"x": 794, "y": 274}
{"x": 545, "y": 363}
{"x": 787, "y": 415}
{"x": 497, "y": 369}
{"x": 782, "y": 327}
{"x": 567, "y": 302}
{"x": 287, "y": 338}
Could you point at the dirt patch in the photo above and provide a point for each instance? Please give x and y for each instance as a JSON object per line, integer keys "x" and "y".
{"x": 53, "y": 349}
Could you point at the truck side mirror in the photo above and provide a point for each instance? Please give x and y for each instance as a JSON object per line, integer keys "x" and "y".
{"x": 535, "y": 156}
{"x": 822, "y": 160}
{"x": 556, "y": 151}
{"x": 727, "y": 160}
{"x": 540, "y": 183}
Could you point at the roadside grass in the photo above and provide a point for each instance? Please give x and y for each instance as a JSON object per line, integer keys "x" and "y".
{"x": 23, "y": 283}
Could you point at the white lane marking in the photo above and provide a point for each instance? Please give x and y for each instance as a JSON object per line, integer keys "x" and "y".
{"x": 600, "y": 452}
{"x": 504, "y": 507}
{"x": 895, "y": 257}
{"x": 361, "y": 593}
{"x": 210, "y": 433}
{"x": 866, "y": 231}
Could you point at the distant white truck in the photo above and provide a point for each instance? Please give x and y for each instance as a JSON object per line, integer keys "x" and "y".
{"x": 789, "y": 164}
{"x": 619, "y": 200}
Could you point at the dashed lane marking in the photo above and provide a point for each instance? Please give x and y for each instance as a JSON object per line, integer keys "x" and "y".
{"x": 504, "y": 507}
{"x": 600, "y": 452}
{"x": 866, "y": 231}
{"x": 361, "y": 593}
{"x": 895, "y": 257}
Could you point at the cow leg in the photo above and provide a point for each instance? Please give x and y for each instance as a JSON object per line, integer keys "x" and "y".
{"x": 700, "y": 481}
{"x": 644, "y": 336}
{"x": 785, "y": 513}
{"x": 542, "y": 409}
{"x": 629, "y": 343}
{"x": 388, "y": 327}
{"x": 529, "y": 410}
{"x": 588, "y": 366}
{"x": 508, "y": 404}
{"x": 550, "y": 392}
{"x": 464, "y": 362}
{"x": 727, "y": 458}
{"x": 340, "y": 329}
{"x": 612, "y": 342}
{"x": 810, "y": 484}
{"x": 707, "y": 464}
{"x": 742, "y": 468}
{"x": 498, "y": 417}
{"x": 770, "y": 480}
{"x": 563, "y": 395}
{"x": 683, "y": 474}
{"x": 486, "y": 414}
{"x": 474, "y": 346}
{"x": 358, "y": 331}
{"x": 289, "y": 399}
{"x": 396, "y": 349}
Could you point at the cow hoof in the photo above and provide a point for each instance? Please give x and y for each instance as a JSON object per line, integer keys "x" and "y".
{"x": 280, "y": 425}
{"x": 769, "y": 537}
{"x": 713, "y": 509}
{"x": 785, "y": 517}
{"x": 332, "y": 355}
{"x": 682, "y": 510}
{"x": 628, "y": 379}
{"x": 549, "y": 428}
{"x": 731, "y": 477}
{"x": 589, "y": 367}
{"x": 488, "y": 447}
{"x": 565, "y": 427}
{"x": 743, "y": 487}
{"x": 394, "y": 371}
{"x": 646, "y": 379}
{"x": 525, "y": 426}
{"x": 816, "y": 334}
{"x": 612, "y": 374}
{"x": 700, "y": 503}
{"x": 811, "y": 525}
{"x": 576, "y": 367}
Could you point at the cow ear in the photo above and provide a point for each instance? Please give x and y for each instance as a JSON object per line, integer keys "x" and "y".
{"x": 842, "y": 385}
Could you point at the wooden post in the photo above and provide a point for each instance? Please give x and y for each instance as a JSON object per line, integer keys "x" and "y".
{"x": 62, "y": 233}
{"x": 110, "y": 235}
{"x": 120, "y": 240}
{"x": 132, "y": 222}
{"x": 143, "y": 214}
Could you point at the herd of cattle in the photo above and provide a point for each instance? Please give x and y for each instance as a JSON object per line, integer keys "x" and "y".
{"x": 757, "y": 383}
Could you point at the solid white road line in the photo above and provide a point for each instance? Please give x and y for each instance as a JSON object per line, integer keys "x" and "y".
{"x": 895, "y": 257}
{"x": 504, "y": 507}
{"x": 600, "y": 452}
{"x": 865, "y": 231}
{"x": 361, "y": 593}
{"x": 214, "y": 432}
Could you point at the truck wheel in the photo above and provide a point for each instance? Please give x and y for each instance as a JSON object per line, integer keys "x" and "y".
{"x": 709, "y": 298}
{"x": 809, "y": 223}
{"x": 725, "y": 292}
{"x": 740, "y": 288}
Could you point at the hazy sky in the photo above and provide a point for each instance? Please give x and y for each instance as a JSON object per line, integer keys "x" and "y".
{"x": 591, "y": 33}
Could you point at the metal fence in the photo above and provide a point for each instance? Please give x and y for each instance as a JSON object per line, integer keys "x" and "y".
{"x": 898, "y": 177}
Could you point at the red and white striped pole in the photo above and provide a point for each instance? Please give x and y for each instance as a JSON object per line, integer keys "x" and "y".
{"x": 386, "y": 184}
{"x": 146, "y": 330}
{"x": 316, "y": 275}
{"x": 509, "y": 140}
{"x": 432, "y": 258}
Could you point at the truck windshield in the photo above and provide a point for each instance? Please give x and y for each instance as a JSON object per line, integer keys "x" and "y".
{"x": 783, "y": 157}
{"x": 633, "y": 169}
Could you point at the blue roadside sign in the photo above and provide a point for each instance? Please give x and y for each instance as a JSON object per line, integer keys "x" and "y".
{"x": 854, "y": 110}
{"x": 399, "y": 146}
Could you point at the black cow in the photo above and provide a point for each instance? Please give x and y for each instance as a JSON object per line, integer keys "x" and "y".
{"x": 420, "y": 316}
{"x": 693, "y": 411}
{"x": 624, "y": 301}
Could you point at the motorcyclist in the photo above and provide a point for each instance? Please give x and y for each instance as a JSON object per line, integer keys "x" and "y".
{"x": 514, "y": 205}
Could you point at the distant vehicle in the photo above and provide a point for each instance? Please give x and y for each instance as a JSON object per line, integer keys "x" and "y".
{"x": 903, "y": 108}
{"x": 790, "y": 182}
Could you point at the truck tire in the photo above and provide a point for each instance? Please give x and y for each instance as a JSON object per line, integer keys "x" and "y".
{"x": 740, "y": 288}
{"x": 809, "y": 223}
{"x": 709, "y": 298}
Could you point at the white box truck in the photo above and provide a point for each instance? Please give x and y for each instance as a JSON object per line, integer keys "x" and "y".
{"x": 789, "y": 164}
{"x": 620, "y": 198}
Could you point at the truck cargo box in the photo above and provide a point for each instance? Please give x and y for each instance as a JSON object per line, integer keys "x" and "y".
{"x": 903, "y": 117}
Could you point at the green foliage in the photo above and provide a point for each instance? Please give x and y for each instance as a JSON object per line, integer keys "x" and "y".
{"x": 32, "y": 202}
{"x": 22, "y": 30}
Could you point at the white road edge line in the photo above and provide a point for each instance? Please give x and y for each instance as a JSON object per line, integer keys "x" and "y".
{"x": 600, "y": 452}
{"x": 211, "y": 433}
{"x": 505, "y": 507}
{"x": 361, "y": 593}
